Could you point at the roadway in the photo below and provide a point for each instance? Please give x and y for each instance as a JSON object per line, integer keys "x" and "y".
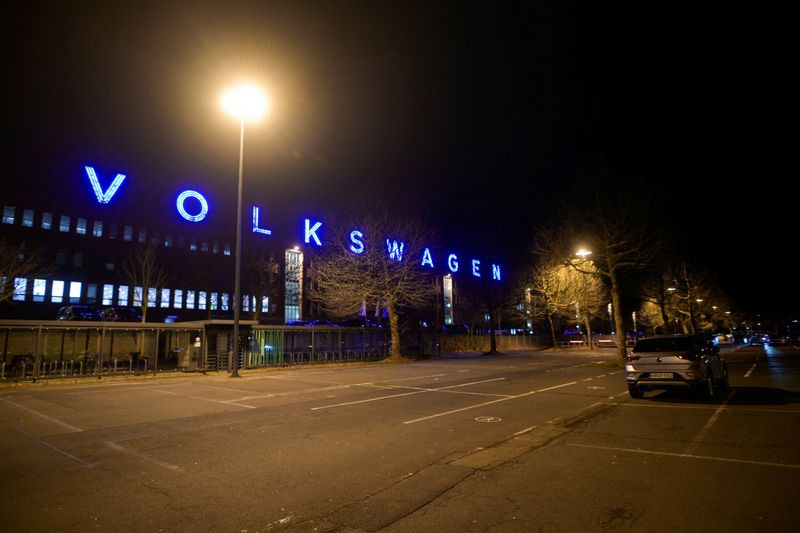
{"x": 525, "y": 441}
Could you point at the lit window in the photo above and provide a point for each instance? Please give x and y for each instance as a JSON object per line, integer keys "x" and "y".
{"x": 122, "y": 295}
{"x": 57, "y": 292}
{"x": 8, "y": 214}
{"x": 204, "y": 246}
{"x": 20, "y": 287}
{"x": 168, "y": 241}
{"x": 39, "y": 287}
{"x": 213, "y": 304}
{"x": 189, "y": 299}
{"x": 227, "y": 249}
{"x": 97, "y": 228}
{"x": 108, "y": 294}
{"x": 177, "y": 299}
{"x": 201, "y": 300}
{"x": 225, "y": 300}
{"x": 63, "y": 224}
{"x": 193, "y": 244}
{"x": 164, "y": 298}
{"x": 91, "y": 293}
{"x": 215, "y": 247}
{"x": 47, "y": 220}
{"x": 80, "y": 227}
{"x": 137, "y": 296}
{"x": 110, "y": 263}
{"x": 245, "y": 303}
{"x": 27, "y": 218}
{"x": 142, "y": 236}
{"x": 152, "y": 294}
{"x": 265, "y": 304}
{"x": 74, "y": 292}
{"x": 127, "y": 234}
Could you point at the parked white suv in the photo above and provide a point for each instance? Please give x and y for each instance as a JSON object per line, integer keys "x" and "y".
{"x": 676, "y": 361}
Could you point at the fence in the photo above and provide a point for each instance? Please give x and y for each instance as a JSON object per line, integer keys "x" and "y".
{"x": 52, "y": 349}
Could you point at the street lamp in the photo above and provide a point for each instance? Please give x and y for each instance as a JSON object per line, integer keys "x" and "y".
{"x": 245, "y": 102}
{"x": 583, "y": 253}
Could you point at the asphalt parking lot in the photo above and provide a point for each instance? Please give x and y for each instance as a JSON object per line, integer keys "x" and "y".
{"x": 526, "y": 441}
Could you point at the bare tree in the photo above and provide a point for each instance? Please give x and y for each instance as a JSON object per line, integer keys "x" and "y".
{"x": 549, "y": 290}
{"x": 379, "y": 263}
{"x": 617, "y": 220}
{"x": 143, "y": 271}
{"x": 261, "y": 274}
{"x": 19, "y": 262}
{"x": 585, "y": 290}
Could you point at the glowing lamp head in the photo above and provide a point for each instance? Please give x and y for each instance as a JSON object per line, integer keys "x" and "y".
{"x": 246, "y": 102}
{"x": 583, "y": 253}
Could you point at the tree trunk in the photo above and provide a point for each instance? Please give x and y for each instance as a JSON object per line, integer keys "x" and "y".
{"x": 552, "y": 330}
{"x": 394, "y": 329}
{"x": 492, "y": 337}
{"x": 616, "y": 302}
{"x": 588, "y": 327}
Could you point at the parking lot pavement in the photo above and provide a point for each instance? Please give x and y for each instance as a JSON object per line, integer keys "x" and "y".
{"x": 524, "y": 441}
{"x": 669, "y": 462}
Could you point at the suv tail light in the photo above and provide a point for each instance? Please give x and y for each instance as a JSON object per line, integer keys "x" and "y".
{"x": 634, "y": 357}
{"x": 688, "y": 357}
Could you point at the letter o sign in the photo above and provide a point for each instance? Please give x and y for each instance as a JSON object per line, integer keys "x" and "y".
{"x": 180, "y": 203}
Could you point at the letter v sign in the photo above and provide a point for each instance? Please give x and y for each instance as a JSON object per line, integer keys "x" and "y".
{"x": 104, "y": 197}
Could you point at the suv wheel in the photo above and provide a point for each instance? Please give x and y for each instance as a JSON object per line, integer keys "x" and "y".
{"x": 635, "y": 392}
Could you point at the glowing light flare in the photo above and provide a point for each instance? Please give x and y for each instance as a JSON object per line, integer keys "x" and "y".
{"x": 246, "y": 101}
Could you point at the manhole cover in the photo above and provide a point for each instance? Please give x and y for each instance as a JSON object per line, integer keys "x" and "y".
{"x": 488, "y": 419}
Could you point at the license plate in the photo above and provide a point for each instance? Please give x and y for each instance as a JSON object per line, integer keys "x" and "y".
{"x": 661, "y": 375}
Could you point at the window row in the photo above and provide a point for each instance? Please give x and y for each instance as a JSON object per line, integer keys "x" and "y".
{"x": 81, "y": 226}
{"x": 74, "y": 292}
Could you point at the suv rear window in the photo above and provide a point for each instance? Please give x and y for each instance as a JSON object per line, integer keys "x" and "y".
{"x": 676, "y": 344}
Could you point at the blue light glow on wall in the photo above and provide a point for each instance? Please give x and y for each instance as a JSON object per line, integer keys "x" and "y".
{"x": 452, "y": 263}
{"x": 104, "y": 197}
{"x": 358, "y": 245}
{"x": 257, "y": 229}
{"x": 395, "y": 250}
{"x": 476, "y": 268}
{"x": 427, "y": 259}
{"x": 311, "y": 232}
{"x": 182, "y": 209}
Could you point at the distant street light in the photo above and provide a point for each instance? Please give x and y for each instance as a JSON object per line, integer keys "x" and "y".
{"x": 245, "y": 102}
{"x": 583, "y": 254}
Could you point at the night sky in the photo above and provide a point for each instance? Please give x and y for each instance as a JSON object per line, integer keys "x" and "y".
{"x": 477, "y": 115}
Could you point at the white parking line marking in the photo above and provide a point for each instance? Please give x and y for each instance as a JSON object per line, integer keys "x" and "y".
{"x": 143, "y": 457}
{"x": 453, "y": 411}
{"x": 64, "y": 425}
{"x": 416, "y": 390}
{"x": 226, "y": 402}
{"x": 747, "y": 374}
{"x": 711, "y": 421}
{"x": 368, "y": 400}
{"x": 59, "y": 450}
{"x": 686, "y": 456}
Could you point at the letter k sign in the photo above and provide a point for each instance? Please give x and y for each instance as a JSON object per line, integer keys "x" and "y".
{"x": 104, "y": 197}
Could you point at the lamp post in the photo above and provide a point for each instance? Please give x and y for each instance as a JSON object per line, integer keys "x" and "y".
{"x": 245, "y": 102}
